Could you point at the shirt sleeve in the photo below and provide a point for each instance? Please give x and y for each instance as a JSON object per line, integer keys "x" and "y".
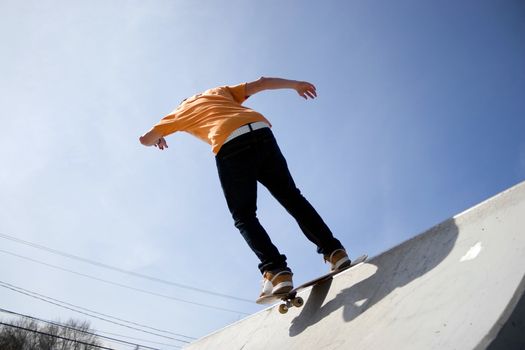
{"x": 167, "y": 125}
{"x": 238, "y": 92}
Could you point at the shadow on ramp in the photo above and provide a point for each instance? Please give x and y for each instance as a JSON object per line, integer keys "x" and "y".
{"x": 394, "y": 269}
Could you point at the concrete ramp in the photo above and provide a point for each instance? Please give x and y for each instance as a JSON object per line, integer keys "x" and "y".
{"x": 457, "y": 286}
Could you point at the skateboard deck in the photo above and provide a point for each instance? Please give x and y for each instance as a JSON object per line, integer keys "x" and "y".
{"x": 291, "y": 299}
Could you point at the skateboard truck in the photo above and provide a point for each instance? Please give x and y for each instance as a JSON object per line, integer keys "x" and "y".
{"x": 289, "y": 301}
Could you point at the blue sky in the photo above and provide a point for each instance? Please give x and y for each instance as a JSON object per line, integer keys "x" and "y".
{"x": 420, "y": 116}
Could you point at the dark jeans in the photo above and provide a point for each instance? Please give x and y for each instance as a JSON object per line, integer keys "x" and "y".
{"x": 256, "y": 157}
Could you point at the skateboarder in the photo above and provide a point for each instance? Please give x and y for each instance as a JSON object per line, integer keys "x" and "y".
{"x": 246, "y": 152}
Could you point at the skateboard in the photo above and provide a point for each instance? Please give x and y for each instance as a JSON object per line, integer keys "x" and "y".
{"x": 291, "y": 299}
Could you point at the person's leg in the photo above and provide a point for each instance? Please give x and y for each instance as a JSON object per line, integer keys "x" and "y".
{"x": 275, "y": 175}
{"x": 237, "y": 167}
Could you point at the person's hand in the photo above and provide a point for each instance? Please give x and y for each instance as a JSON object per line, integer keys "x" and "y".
{"x": 161, "y": 143}
{"x": 305, "y": 90}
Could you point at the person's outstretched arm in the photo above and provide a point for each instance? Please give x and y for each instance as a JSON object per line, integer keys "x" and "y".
{"x": 303, "y": 88}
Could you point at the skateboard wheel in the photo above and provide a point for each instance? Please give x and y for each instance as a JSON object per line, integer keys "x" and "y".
{"x": 297, "y": 302}
{"x": 283, "y": 308}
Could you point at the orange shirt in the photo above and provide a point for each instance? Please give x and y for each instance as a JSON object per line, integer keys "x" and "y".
{"x": 211, "y": 116}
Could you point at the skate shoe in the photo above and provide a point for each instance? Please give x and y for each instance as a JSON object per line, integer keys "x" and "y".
{"x": 338, "y": 260}
{"x": 276, "y": 283}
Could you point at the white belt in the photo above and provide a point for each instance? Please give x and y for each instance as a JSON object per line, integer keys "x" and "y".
{"x": 246, "y": 129}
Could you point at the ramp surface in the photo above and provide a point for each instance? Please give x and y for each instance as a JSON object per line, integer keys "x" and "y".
{"x": 457, "y": 286}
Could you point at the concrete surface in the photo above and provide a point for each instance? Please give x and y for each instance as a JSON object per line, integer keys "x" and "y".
{"x": 457, "y": 286}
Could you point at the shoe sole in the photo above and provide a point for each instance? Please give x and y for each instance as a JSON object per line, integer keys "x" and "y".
{"x": 283, "y": 287}
{"x": 344, "y": 265}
